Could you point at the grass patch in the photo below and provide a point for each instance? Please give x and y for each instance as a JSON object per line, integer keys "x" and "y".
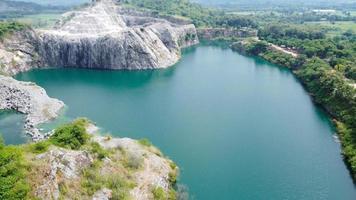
{"x": 94, "y": 181}
{"x": 145, "y": 142}
{"x": 132, "y": 161}
{"x": 39, "y": 147}
{"x": 98, "y": 151}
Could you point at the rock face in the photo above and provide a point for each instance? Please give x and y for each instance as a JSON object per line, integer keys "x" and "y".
{"x": 31, "y": 100}
{"x": 155, "y": 171}
{"x": 18, "y": 53}
{"x": 60, "y": 164}
{"x": 59, "y": 169}
{"x": 106, "y": 36}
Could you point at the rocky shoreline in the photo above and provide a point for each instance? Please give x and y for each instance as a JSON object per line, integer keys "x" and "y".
{"x": 29, "y": 99}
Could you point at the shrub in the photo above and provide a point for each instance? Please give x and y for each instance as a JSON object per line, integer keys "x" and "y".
{"x": 145, "y": 142}
{"x": 133, "y": 161}
{"x": 8, "y": 27}
{"x": 172, "y": 178}
{"x": 72, "y": 135}
{"x": 159, "y": 194}
{"x": 96, "y": 149}
{"x": 40, "y": 147}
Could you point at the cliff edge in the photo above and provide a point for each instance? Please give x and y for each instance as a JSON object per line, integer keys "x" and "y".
{"x": 104, "y": 35}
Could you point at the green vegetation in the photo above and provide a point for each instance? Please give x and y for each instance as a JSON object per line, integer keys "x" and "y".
{"x": 71, "y": 136}
{"x": 9, "y": 27}
{"x": 13, "y": 169}
{"x": 94, "y": 181}
{"x": 112, "y": 168}
{"x": 200, "y": 16}
{"x": 159, "y": 194}
{"x": 145, "y": 142}
{"x": 39, "y": 147}
{"x": 335, "y": 28}
{"x": 43, "y": 20}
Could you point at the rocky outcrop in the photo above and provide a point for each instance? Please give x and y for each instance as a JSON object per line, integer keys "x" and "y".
{"x": 215, "y": 33}
{"x": 31, "y": 100}
{"x": 156, "y": 169}
{"x": 18, "y": 53}
{"x": 61, "y": 173}
{"x": 61, "y": 164}
{"x": 105, "y": 36}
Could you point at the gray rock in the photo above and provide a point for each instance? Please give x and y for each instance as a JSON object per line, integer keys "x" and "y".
{"x": 62, "y": 164}
{"x": 105, "y": 36}
{"x": 18, "y": 52}
{"x": 103, "y": 194}
{"x": 31, "y": 100}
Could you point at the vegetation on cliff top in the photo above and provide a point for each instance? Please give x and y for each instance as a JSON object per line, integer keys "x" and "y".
{"x": 9, "y": 27}
{"x": 18, "y": 168}
{"x": 200, "y": 16}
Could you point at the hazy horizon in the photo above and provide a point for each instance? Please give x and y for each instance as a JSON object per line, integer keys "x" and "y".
{"x": 206, "y": 2}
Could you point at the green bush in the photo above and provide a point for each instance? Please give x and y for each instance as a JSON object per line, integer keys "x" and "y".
{"x": 8, "y": 27}
{"x": 72, "y": 135}
{"x": 40, "y": 147}
{"x": 145, "y": 142}
{"x": 172, "y": 178}
{"x": 13, "y": 184}
{"x": 159, "y": 194}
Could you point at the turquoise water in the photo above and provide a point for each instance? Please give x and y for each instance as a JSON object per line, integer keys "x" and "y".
{"x": 11, "y": 127}
{"x": 238, "y": 127}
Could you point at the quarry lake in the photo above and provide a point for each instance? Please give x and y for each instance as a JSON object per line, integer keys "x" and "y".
{"x": 238, "y": 127}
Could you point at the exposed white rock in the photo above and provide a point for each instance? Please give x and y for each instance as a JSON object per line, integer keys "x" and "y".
{"x": 155, "y": 170}
{"x": 31, "y": 100}
{"x": 18, "y": 53}
{"x": 60, "y": 164}
{"x": 104, "y": 36}
{"x": 103, "y": 194}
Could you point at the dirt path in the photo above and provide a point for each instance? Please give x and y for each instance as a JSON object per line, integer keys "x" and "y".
{"x": 281, "y": 49}
{"x": 284, "y": 50}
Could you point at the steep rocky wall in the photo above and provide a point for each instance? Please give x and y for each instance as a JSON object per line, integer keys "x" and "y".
{"x": 18, "y": 53}
{"x": 104, "y": 36}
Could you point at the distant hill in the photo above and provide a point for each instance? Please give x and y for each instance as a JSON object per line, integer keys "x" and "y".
{"x": 279, "y": 2}
{"x": 14, "y": 9}
{"x": 57, "y": 2}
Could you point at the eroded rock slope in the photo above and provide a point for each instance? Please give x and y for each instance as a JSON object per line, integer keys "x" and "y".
{"x": 107, "y": 36}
